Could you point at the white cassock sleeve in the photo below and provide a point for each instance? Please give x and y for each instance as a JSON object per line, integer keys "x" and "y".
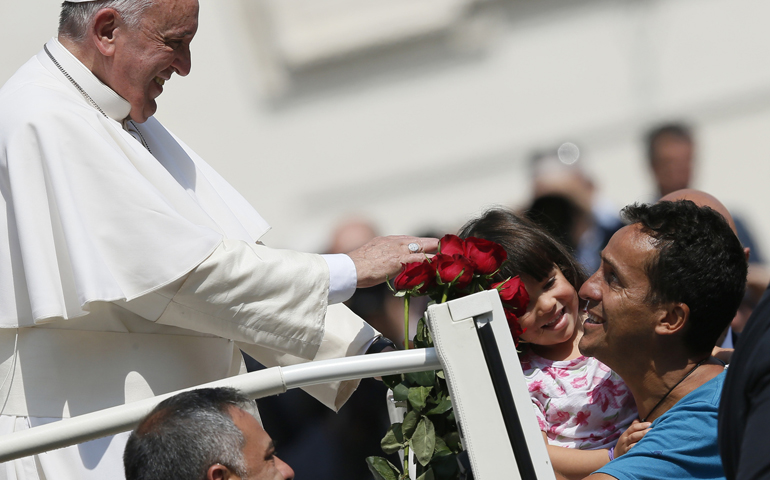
{"x": 273, "y": 303}
{"x": 345, "y": 335}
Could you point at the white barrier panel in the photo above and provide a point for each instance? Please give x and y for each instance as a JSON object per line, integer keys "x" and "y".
{"x": 488, "y": 389}
{"x": 259, "y": 384}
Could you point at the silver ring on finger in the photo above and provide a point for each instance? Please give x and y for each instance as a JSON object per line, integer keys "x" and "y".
{"x": 414, "y": 247}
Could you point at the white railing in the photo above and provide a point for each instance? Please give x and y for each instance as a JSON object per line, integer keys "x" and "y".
{"x": 258, "y": 384}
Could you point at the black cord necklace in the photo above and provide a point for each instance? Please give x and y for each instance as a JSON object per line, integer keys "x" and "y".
{"x": 672, "y": 388}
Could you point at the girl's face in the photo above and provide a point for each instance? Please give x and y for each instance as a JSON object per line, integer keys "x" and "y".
{"x": 552, "y": 313}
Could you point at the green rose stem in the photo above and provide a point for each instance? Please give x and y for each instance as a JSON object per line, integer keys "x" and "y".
{"x": 406, "y": 347}
{"x": 406, "y": 461}
{"x": 406, "y": 322}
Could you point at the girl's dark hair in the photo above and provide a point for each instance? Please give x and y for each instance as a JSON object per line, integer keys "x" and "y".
{"x": 530, "y": 249}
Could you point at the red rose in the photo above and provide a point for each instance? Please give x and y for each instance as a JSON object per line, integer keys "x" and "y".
{"x": 454, "y": 268}
{"x": 487, "y": 255}
{"x": 451, "y": 245}
{"x": 513, "y": 294}
{"x": 415, "y": 275}
{"x": 514, "y": 326}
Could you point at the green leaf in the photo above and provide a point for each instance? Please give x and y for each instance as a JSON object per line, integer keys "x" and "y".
{"x": 393, "y": 441}
{"x": 424, "y": 379}
{"x": 417, "y": 396}
{"x": 443, "y": 406}
{"x": 428, "y": 475}
{"x": 400, "y": 392}
{"x": 420, "y": 335}
{"x": 441, "y": 449}
{"x": 391, "y": 381}
{"x": 439, "y": 374}
{"x": 423, "y": 338}
{"x": 452, "y": 440}
{"x": 410, "y": 422}
{"x": 424, "y": 441}
{"x": 382, "y": 469}
{"x": 445, "y": 466}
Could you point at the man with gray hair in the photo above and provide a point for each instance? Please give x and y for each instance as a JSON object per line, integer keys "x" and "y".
{"x": 128, "y": 267}
{"x": 204, "y": 434}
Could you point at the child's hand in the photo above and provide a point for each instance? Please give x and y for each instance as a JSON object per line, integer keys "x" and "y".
{"x": 635, "y": 432}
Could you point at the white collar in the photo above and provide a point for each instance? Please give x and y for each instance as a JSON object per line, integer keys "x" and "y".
{"x": 113, "y": 105}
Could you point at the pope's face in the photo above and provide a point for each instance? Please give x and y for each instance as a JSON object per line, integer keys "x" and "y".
{"x": 146, "y": 56}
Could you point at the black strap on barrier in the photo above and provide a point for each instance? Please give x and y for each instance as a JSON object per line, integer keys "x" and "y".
{"x": 505, "y": 400}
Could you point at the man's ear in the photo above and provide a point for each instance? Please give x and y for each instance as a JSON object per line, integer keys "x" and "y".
{"x": 219, "y": 472}
{"x": 674, "y": 318}
{"x": 103, "y": 30}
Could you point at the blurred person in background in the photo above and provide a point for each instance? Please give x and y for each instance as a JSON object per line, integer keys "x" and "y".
{"x": 559, "y": 216}
{"x": 671, "y": 153}
{"x": 565, "y": 201}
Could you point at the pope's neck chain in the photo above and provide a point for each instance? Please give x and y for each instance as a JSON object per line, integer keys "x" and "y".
{"x": 141, "y": 137}
{"x": 91, "y": 100}
{"x": 73, "y": 82}
{"x": 672, "y": 389}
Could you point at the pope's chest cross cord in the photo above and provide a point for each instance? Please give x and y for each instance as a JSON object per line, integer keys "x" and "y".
{"x": 128, "y": 124}
{"x": 131, "y": 127}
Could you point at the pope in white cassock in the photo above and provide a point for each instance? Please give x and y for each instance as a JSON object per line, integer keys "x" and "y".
{"x": 128, "y": 267}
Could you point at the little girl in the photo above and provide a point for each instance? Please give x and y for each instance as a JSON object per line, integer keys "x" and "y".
{"x": 582, "y": 406}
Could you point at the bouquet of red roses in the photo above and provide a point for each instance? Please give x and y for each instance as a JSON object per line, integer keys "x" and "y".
{"x": 460, "y": 268}
{"x": 429, "y": 431}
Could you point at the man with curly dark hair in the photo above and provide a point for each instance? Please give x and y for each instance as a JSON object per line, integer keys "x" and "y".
{"x": 669, "y": 283}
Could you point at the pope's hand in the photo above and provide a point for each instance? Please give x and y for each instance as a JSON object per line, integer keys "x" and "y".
{"x": 382, "y": 257}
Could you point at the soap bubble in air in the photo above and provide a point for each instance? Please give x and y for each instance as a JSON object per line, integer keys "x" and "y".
{"x": 568, "y": 153}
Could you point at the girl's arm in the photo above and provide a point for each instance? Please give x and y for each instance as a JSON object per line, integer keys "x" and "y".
{"x": 573, "y": 463}
{"x": 576, "y": 464}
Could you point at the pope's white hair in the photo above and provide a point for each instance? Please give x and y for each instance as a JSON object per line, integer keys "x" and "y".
{"x": 75, "y": 17}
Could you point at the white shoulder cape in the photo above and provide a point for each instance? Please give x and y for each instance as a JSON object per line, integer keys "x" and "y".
{"x": 87, "y": 214}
